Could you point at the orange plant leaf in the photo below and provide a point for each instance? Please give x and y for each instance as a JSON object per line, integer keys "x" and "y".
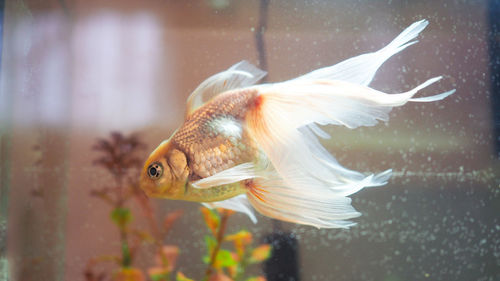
{"x": 128, "y": 274}
{"x": 167, "y": 257}
{"x": 212, "y": 220}
{"x": 261, "y": 253}
{"x": 181, "y": 277}
{"x": 227, "y": 211}
{"x": 220, "y": 277}
{"x": 170, "y": 218}
{"x": 244, "y": 236}
{"x": 240, "y": 240}
{"x": 232, "y": 270}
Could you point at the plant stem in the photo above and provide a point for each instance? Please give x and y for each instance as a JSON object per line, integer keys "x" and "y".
{"x": 219, "y": 238}
{"x": 242, "y": 266}
{"x": 126, "y": 256}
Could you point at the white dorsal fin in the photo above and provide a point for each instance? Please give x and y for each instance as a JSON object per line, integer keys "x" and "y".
{"x": 242, "y": 74}
{"x": 238, "y": 203}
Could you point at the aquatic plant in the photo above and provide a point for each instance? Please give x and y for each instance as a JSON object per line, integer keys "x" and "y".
{"x": 119, "y": 156}
{"x": 223, "y": 264}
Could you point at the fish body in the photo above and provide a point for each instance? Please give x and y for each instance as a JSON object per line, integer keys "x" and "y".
{"x": 244, "y": 146}
{"x": 212, "y": 139}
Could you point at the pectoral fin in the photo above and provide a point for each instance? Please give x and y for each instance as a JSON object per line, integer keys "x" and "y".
{"x": 235, "y": 174}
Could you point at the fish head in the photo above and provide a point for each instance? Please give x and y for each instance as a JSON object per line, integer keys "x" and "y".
{"x": 165, "y": 173}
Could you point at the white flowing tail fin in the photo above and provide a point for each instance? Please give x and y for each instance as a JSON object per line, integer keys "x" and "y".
{"x": 275, "y": 198}
{"x": 310, "y": 186}
{"x": 361, "y": 69}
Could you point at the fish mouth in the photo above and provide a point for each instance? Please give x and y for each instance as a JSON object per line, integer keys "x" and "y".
{"x": 147, "y": 186}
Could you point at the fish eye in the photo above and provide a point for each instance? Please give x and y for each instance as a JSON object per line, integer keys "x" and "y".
{"x": 155, "y": 170}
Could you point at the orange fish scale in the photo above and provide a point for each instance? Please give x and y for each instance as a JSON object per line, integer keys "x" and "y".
{"x": 208, "y": 148}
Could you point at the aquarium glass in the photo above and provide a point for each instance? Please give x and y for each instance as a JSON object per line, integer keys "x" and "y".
{"x": 88, "y": 89}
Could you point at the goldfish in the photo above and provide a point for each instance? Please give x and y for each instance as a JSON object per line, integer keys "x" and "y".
{"x": 246, "y": 146}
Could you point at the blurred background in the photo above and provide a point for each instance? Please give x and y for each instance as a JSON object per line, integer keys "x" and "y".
{"x": 73, "y": 71}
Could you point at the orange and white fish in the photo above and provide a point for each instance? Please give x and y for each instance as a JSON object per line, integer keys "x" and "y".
{"x": 244, "y": 145}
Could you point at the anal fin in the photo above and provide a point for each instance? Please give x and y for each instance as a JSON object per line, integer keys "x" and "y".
{"x": 238, "y": 203}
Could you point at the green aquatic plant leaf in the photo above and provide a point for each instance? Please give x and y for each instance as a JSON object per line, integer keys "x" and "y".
{"x": 258, "y": 278}
{"x": 210, "y": 242}
{"x": 224, "y": 259}
{"x": 121, "y": 216}
{"x": 126, "y": 256}
{"x": 160, "y": 276}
